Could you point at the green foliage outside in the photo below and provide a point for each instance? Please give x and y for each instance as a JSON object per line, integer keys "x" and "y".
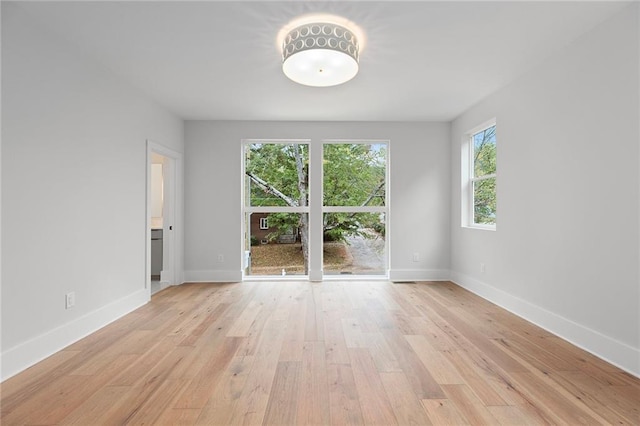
{"x": 276, "y": 164}
{"x": 353, "y": 175}
{"x": 484, "y": 162}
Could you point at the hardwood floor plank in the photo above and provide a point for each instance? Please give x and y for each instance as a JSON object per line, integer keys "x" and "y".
{"x": 443, "y": 412}
{"x": 374, "y": 402}
{"x": 99, "y": 403}
{"x": 381, "y": 353}
{"x": 198, "y": 391}
{"x": 534, "y": 355}
{"x": 422, "y": 382}
{"x": 139, "y": 366}
{"x": 353, "y": 335}
{"x": 313, "y": 397}
{"x": 513, "y": 415}
{"x": 313, "y": 320}
{"x": 25, "y": 384}
{"x": 179, "y": 417}
{"x": 344, "y": 406}
{"x": 243, "y": 323}
{"x": 406, "y": 405}
{"x": 147, "y": 388}
{"x": 468, "y": 404}
{"x": 282, "y": 407}
{"x": 213, "y": 315}
{"x": 563, "y": 408}
{"x": 220, "y": 407}
{"x": 46, "y": 409}
{"x": 606, "y": 400}
{"x": 252, "y": 403}
{"x": 434, "y": 361}
{"x": 150, "y": 411}
{"x": 337, "y": 352}
{"x": 295, "y": 333}
{"x": 404, "y": 298}
{"x": 334, "y": 339}
{"x": 474, "y": 340}
{"x": 474, "y": 378}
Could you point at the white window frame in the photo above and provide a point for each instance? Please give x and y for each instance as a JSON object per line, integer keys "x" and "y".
{"x": 248, "y": 209}
{"x": 363, "y": 209}
{"x": 264, "y": 223}
{"x": 469, "y": 180}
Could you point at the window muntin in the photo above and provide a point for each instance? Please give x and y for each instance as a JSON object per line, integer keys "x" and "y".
{"x": 482, "y": 182}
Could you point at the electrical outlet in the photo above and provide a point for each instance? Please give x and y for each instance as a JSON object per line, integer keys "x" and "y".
{"x": 70, "y": 300}
{"x": 416, "y": 257}
{"x": 221, "y": 258}
{"x": 483, "y": 269}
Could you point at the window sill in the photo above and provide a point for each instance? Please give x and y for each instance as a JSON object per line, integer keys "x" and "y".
{"x": 481, "y": 227}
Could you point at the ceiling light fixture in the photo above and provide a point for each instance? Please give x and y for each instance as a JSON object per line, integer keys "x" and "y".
{"x": 321, "y": 53}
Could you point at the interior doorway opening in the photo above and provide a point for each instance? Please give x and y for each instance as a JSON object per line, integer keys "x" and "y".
{"x": 157, "y": 220}
{"x": 162, "y": 216}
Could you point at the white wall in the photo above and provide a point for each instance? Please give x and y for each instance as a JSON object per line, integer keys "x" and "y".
{"x": 566, "y": 249}
{"x": 73, "y": 192}
{"x": 419, "y": 168}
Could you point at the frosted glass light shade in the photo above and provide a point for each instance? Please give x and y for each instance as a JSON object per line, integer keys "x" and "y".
{"x": 320, "y": 54}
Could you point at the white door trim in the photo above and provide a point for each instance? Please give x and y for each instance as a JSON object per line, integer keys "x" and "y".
{"x": 171, "y": 273}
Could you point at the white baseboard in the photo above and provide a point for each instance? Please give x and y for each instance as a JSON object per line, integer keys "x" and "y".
{"x": 26, "y": 354}
{"x": 399, "y": 275}
{"x": 613, "y": 351}
{"x": 200, "y": 276}
{"x": 212, "y": 275}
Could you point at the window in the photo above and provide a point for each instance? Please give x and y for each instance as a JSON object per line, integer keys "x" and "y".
{"x": 331, "y": 222}
{"x": 481, "y": 187}
{"x": 276, "y": 207}
{"x": 355, "y": 210}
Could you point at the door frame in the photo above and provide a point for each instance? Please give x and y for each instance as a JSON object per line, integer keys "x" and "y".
{"x": 171, "y": 273}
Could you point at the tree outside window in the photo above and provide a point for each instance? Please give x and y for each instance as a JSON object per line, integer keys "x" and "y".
{"x": 483, "y": 176}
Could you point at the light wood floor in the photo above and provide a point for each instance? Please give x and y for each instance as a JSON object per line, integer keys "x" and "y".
{"x": 321, "y": 353}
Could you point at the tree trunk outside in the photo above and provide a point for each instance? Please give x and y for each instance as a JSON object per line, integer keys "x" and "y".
{"x": 304, "y": 217}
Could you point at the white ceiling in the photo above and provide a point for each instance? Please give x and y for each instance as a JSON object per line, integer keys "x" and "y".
{"x": 219, "y": 60}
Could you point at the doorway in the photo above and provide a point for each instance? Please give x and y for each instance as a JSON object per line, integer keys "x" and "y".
{"x": 162, "y": 263}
